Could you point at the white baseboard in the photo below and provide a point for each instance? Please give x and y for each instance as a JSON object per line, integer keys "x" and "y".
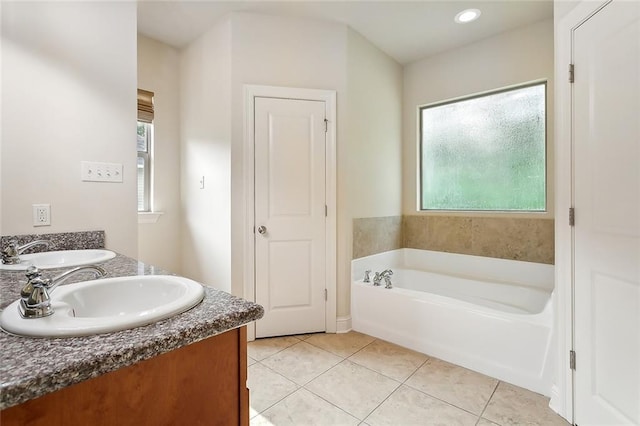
{"x": 343, "y": 324}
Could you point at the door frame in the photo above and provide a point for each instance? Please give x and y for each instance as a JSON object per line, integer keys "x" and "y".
{"x": 329, "y": 98}
{"x": 562, "y": 393}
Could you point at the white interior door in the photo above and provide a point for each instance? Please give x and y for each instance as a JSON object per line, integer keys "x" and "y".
{"x": 607, "y": 225}
{"x": 290, "y": 264}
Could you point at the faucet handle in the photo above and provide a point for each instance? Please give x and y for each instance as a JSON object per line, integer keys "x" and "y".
{"x": 387, "y": 282}
{"x": 34, "y": 276}
{"x": 367, "y": 278}
{"x": 33, "y": 272}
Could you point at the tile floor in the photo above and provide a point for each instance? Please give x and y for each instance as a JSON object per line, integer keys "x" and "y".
{"x": 354, "y": 379}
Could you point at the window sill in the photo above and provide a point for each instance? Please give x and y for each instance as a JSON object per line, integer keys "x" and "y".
{"x": 149, "y": 217}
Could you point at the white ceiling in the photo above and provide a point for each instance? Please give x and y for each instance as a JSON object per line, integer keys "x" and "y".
{"x": 405, "y": 30}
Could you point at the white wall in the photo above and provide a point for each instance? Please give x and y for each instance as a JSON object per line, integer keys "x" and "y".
{"x": 205, "y": 127}
{"x": 289, "y": 52}
{"x": 158, "y": 65}
{"x": 509, "y": 58}
{"x": 374, "y": 130}
{"x": 372, "y": 168}
{"x": 280, "y": 51}
{"x": 69, "y": 94}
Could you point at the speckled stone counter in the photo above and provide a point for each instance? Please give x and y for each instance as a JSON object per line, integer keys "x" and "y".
{"x": 32, "y": 367}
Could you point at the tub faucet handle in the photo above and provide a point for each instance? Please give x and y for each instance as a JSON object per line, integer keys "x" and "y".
{"x": 387, "y": 282}
{"x": 367, "y": 278}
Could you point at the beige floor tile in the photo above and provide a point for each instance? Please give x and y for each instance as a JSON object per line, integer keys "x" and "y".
{"x": 266, "y": 387}
{"x": 341, "y": 344}
{"x": 260, "y": 349}
{"x": 453, "y": 384}
{"x": 485, "y": 422}
{"x": 305, "y": 336}
{"x": 354, "y": 388}
{"x": 511, "y": 405}
{"x": 391, "y": 360}
{"x": 250, "y": 361}
{"x": 301, "y": 362}
{"x": 408, "y": 407}
{"x": 304, "y": 408}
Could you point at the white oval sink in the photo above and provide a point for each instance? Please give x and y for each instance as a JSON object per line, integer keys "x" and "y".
{"x": 60, "y": 259}
{"x": 107, "y": 305}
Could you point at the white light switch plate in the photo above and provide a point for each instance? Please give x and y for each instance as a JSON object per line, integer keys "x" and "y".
{"x": 92, "y": 171}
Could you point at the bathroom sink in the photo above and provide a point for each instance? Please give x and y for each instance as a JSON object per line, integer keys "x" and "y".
{"x": 60, "y": 259}
{"x": 107, "y": 305}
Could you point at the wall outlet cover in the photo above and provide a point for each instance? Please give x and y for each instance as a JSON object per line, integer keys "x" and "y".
{"x": 41, "y": 214}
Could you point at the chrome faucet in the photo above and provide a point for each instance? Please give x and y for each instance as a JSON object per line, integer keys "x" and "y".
{"x": 35, "y": 297}
{"x": 367, "y": 278}
{"x": 387, "y": 282}
{"x": 11, "y": 253}
{"x": 379, "y": 276}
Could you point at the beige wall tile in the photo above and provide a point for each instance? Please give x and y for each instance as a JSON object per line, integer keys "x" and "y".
{"x": 531, "y": 240}
{"x": 374, "y": 235}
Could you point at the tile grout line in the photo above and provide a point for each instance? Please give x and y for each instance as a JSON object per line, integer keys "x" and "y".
{"x": 269, "y": 356}
{"x": 341, "y": 356}
{"x": 298, "y": 387}
{"x": 331, "y": 403}
{"x": 383, "y": 401}
{"x": 488, "y": 401}
{"x": 429, "y": 358}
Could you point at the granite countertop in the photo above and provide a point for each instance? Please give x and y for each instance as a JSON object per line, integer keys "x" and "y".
{"x": 32, "y": 367}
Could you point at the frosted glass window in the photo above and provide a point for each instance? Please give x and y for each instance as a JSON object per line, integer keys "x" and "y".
{"x": 485, "y": 153}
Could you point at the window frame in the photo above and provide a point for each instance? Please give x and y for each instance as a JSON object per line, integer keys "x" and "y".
{"x": 547, "y": 205}
{"x": 147, "y": 164}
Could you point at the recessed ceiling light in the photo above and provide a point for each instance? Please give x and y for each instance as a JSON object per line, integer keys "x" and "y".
{"x": 467, "y": 15}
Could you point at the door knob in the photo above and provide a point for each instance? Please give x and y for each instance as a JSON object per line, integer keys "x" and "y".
{"x": 262, "y": 229}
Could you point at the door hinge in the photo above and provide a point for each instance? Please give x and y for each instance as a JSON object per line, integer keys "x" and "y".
{"x": 572, "y": 360}
{"x": 326, "y": 297}
{"x": 326, "y": 125}
{"x": 571, "y": 73}
{"x": 326, "y": 211}
{"x": 572, "y": 216}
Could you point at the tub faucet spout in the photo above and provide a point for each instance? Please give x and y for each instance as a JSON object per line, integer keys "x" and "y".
{"x": 377, "y": 278}
{"x": 386, "y": 273}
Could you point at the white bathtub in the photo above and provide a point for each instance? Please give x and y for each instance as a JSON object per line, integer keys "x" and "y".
{"x": 490, "y": 315}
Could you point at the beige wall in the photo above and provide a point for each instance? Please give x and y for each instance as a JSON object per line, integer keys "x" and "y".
{"x": 514, "y": 57}
{"x": 205, "y": 127}
{"x": 69, "y": 94}
{"x": 159, "y": 243}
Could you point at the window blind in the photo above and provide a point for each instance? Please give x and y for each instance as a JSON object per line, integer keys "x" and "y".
{"x": 145, "y": 106}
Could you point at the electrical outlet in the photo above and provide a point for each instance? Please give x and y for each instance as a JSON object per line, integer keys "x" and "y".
{"x": 41, "y": 214}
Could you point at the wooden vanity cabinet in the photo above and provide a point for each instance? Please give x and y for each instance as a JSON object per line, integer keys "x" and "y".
{"x": 200, "y": 384}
